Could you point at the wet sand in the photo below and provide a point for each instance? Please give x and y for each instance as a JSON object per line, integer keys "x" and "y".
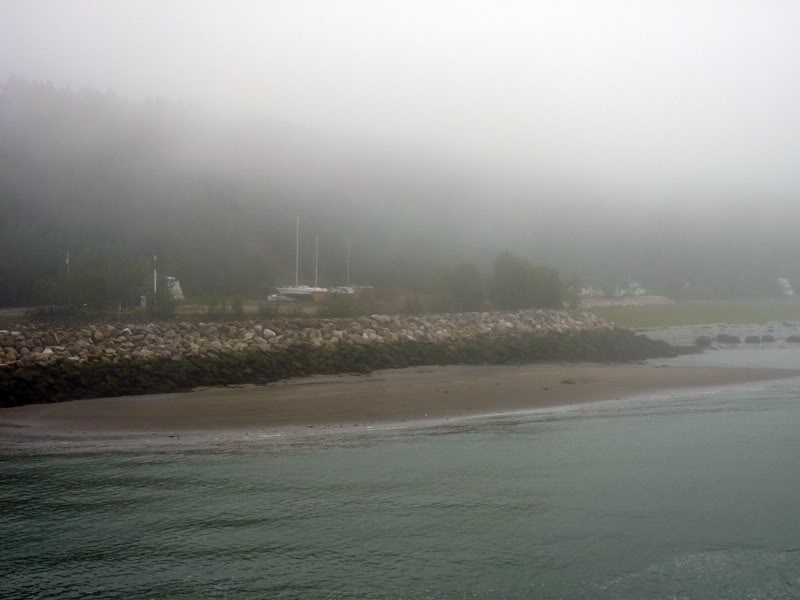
{"x": 383, "y": 396}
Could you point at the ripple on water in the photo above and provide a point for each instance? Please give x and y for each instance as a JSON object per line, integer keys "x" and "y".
{"x": 687, "y": 495}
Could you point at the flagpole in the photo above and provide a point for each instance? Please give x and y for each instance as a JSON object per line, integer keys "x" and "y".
{"x": 69, "y": 281}
{"x": 155, "y": 280}
{"x": 348, "y": 263}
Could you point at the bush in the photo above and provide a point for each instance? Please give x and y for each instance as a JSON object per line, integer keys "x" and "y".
{"x": 338, "y": 305}
{"x": 164, "y": 305}
{"x": 217, "y": 310}
{"x": 52, "y": 311}
{"x": 412, "y": 306}
{"x": 238, "y": 308}
{"x": 267, "y": 310}
{"x": 459, "y": 289}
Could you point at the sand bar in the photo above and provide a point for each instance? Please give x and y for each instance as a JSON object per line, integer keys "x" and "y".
{"x": 383, "y": 396}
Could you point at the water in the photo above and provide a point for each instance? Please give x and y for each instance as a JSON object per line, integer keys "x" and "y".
{"x": 694, "y": 494}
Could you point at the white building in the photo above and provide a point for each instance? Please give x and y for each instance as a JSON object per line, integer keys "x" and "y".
{"x": 174, "y": 288}
{"x": 785, "y": 286}
{"x": 591, "y": 292}
{"x": 633, "y": 288}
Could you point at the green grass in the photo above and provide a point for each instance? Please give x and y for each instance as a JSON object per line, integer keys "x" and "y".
{"x": 704, "y": 312}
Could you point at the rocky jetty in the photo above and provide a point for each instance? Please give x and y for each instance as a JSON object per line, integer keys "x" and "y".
{"x": 51, "y": 363}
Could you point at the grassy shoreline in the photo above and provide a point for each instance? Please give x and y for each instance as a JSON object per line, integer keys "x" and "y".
{"x": 759, "y": 310}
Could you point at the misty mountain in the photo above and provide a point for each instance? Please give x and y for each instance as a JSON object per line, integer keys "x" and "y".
{"x": 93, "y": 174}
{"x": 116, "y": 182}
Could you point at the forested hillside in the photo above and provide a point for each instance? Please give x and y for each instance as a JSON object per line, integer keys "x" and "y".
{"x": 115, "y": 183}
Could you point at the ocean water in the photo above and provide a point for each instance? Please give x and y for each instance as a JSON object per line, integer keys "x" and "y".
{"x": 688, "y": 494}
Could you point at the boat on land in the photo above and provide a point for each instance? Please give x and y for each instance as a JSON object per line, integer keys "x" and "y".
{"x": 344, "y": 289}
{"x": 298, "y": 291}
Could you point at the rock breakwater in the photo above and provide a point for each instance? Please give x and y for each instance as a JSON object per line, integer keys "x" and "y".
{"x": 56, "y": 363}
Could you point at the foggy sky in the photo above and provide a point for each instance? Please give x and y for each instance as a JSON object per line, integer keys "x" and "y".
{"x": 647, "y": 101}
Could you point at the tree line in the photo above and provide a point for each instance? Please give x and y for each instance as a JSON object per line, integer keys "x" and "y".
{"x": 116, "y": 182}
{"x": 89, "y": 174}
{"x": 514, "y": 283}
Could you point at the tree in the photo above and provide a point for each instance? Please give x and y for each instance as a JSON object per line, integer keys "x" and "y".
{"x": 517, "y": 284}
{"x": 459, "y": 289}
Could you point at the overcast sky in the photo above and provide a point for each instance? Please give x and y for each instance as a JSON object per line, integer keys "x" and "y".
{"x": 653, "y": 98}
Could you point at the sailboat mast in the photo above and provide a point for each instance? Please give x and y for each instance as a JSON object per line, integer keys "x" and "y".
{"x": 348, "y": 263}
{"x": 297, "y": 254}
{"x": 316, "y": 261}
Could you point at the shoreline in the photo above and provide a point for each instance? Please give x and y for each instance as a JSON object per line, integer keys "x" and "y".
{"x": 46, "y": 377}
{"x": 350, "y": 401}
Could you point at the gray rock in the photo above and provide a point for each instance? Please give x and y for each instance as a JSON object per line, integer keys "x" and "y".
{"x": 704, "y": 341}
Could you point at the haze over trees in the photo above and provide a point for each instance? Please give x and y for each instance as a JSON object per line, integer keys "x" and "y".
{"x": 516, "y": 283}
{"x": 115, "y": 182}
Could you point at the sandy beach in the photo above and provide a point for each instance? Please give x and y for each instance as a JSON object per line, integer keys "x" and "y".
{"x": 384, "y": 396}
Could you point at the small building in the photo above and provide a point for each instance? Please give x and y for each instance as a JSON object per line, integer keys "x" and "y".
{"x": 591, "y": 292}
{"x": 174, "y": 288}
{"x": 632, "y": 288}
{"x": 785, "y": 286}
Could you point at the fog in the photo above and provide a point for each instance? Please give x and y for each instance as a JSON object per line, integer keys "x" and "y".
{"x": 619, "y": 93}
{"x": 601, "y": 137}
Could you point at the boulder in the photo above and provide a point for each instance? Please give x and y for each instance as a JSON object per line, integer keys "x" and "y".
{"x": 703, "y": 341}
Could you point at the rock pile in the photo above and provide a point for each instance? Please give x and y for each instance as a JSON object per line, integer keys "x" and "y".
{"x": 31, "y": 345}
{"x": 65, "y": 363}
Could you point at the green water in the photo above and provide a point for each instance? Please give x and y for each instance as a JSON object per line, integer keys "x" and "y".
{"x": 690, "y": 495}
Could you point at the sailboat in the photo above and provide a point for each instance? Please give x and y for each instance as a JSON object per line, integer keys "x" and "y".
{"x": 347, "y": 288}
{"x": 296, "y": 290}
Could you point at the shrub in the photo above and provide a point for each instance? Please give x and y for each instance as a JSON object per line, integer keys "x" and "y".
{"x": 267, "y": 310}
{"x": 338, "y": 305}
{"x": 163, "y": 306}
{"x": 237, "y": 308}
{"x": 217, "y": 309}
{"x": 459, "y": 289}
